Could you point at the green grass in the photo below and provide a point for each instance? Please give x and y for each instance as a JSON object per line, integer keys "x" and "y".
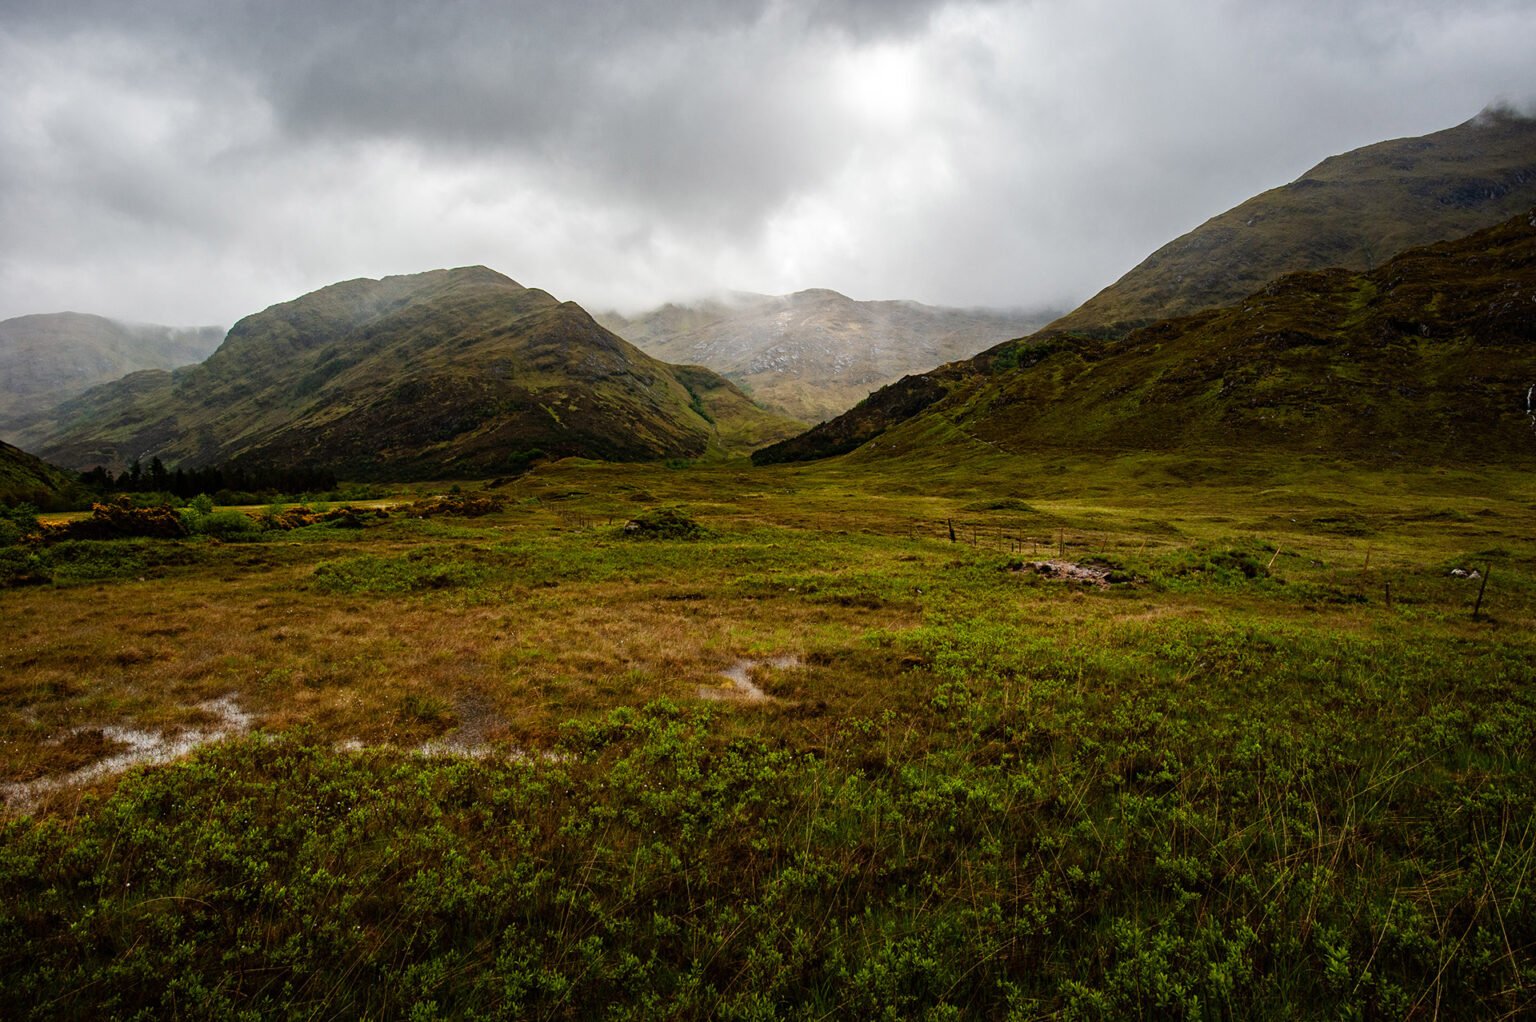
{"x": 1240, "y": 785}
{"x": 418, "y": 570}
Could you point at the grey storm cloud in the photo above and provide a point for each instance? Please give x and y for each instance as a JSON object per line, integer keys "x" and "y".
{"x": 186, "y": 161}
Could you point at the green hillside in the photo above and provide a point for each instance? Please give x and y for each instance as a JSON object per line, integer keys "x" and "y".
{"x": 451, "y": 372}
{"x": 1355, "y": 210}
{"x": 25, "y": 479}
{"x": 1430, "y": 358}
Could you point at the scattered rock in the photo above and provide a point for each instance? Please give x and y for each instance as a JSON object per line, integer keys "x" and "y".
{"x": 1070, "y": 571}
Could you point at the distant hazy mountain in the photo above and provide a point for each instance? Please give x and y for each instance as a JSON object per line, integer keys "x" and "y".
{"x": 1429, "y": 358}
{"x": 50, "y": 358}
{"x": 1356, "y": 211}
{"x": 815, "y": 353}
{"x": 450, "y": 372}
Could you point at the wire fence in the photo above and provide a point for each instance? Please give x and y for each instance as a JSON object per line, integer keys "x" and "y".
{"x": 1024, "y": 538}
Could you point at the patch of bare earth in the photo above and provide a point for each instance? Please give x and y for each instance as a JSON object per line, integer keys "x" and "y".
{"x": 471, "y": 739}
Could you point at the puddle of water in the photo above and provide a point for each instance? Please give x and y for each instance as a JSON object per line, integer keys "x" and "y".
{"x": 454, "y": 745}
{"x": 451, "y": 746}
{"x": 143, "y": 747}
{"x": 739, "y": 675}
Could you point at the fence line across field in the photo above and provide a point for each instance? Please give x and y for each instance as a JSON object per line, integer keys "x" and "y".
{"x": 1019, "y": 539}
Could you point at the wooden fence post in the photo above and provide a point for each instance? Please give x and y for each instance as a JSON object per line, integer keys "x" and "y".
{"x": 1477, "y": 608}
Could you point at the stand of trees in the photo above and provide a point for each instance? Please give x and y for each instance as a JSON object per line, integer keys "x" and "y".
{"x": 183, "y": 482}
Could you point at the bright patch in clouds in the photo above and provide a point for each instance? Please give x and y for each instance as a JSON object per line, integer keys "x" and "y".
{"x": 881, "y": 84}
{"x": 190, "y": 161}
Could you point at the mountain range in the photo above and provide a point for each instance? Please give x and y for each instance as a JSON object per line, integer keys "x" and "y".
{"x": 1430, "y": 357}
{"x": 49, "y": 358}
{"x": 1355, "y": 210}
{"x": 1294, "y": 322}
{"x": 815, "y": 353}
{"x": 458, "y": 372}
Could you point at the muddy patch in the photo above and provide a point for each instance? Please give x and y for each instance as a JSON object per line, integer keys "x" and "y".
{"x": 739, "y": 686}
{"x": 474, "y": 738}
{"x": 471, "y": 739}
{"x": 134, "y": 747}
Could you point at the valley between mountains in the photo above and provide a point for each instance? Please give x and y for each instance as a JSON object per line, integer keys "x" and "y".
{"x": 434, "y": 648}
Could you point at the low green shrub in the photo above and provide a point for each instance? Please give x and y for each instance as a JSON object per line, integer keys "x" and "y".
{"x": 1061, "y": 851}
{"x": 94, "y": 560}
{"x": 1231, "y": 563}
{"x": 84, "y": 560}
{"x": 227, "y": 525}
{"x": 17, "y": 521}
{"x": 368, "y": 573}
{"x": 21, "y": 567}
{"x": 664, "y": 523}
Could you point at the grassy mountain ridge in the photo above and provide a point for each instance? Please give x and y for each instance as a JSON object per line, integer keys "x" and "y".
{"x": 895, "y": 402}
{"x": 1355, "y": 210}
{"x": 1431, "y": 357}
{"x": 815, "y": 353}
{"x": 459, "y": 371}
{"x": 26, "y": 479}
{"x": 49, "y": 358}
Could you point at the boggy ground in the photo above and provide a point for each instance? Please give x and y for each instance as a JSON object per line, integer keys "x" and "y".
{"x": 491, "y": 767}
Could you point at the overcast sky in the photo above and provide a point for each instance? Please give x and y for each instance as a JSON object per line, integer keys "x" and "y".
{"x": 193, "y": 161}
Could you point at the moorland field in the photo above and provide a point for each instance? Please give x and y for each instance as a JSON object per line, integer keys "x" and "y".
{"x": 837, "y": 752}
